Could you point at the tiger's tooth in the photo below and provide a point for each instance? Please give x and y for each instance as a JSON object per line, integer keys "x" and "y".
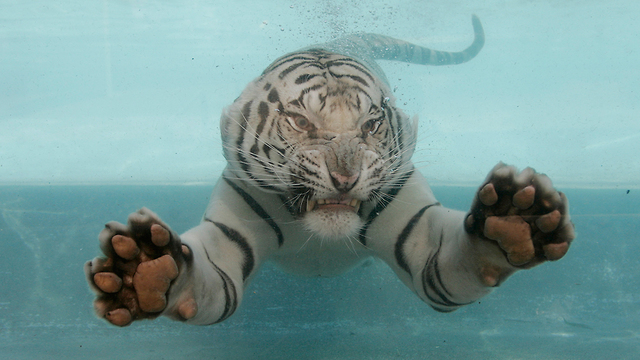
{"x": 353, "y": 202}
{"x": 357, "y": 205}
{"x": 322, "y": 201}
{"x": 311, "y": 204}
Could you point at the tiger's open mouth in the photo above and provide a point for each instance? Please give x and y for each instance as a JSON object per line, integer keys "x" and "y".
{"x": 334, "y": 204}
{"x": 332, "y": 218}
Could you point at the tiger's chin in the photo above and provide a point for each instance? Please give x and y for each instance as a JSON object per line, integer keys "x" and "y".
{"x": 333, "y": 224}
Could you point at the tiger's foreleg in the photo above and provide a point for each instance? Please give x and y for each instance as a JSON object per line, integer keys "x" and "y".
{"x": 148, "y": 271}
{"x": 517, "y": 221}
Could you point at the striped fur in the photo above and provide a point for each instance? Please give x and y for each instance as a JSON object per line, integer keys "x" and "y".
{"x": 320, "y": 178}
{"x": 316, "y": 118}
{"x": 321, "y": 125}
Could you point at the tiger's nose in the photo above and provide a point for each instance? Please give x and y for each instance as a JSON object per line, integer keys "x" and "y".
{"x": 344, "y": 183}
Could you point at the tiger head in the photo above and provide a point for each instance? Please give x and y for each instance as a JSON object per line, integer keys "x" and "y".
{"x": 322, "y": 131}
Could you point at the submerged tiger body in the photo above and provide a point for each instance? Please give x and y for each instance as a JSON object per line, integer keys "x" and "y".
{"x": 319, "y": 178}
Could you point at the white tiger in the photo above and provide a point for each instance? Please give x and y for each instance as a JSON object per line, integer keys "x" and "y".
{"x": 319, "y": 177}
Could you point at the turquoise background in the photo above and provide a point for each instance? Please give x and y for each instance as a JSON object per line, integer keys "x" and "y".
{"x": 108, "y": 106}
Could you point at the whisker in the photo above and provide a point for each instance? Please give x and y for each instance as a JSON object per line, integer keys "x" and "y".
{"x": 304, "y": 244}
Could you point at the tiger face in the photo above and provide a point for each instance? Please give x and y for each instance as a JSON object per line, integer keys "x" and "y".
{"x": 322, "y": 131}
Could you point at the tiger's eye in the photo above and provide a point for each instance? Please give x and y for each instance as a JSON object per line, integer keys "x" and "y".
{"x": 302, "y": 123}
{"x": 370, "y": 126}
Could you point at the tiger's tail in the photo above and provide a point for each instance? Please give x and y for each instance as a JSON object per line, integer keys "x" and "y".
{"x": 381, "y": 47}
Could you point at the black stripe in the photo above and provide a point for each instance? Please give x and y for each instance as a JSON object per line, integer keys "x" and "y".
{"x": 430, "y": 276}
{"x": 307, "y": 90}
{"x": 246, "y": 113}
{"x": 287, "y": 59}
{"x": 402, "y": 238}
{"x": 231, "y": 302}
{"x": 351, "y": 63}
{"x": 236, "y": 237}
{"x": 436, "y": 269}
{"x": 397, "y": 148}
{"x": 242, "y": 160}
{"x": 267, "y": 148}
{"x": 263, "y": 111}
{"x": 259, "y": 210}
{"x": 381, "y": 205}
{"x": 352, "y": 77}
{"x": 267, "y": 153}
{"x": 304, "y": 78}
{"x": 273, "y": 96}
{"x": 400, "y": 129}
{"x": 293, "y": 67}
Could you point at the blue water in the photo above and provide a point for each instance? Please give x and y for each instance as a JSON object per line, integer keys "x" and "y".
{"x": 130, "y": 92}
{"x": 586, "y": 306}
{"x": 107, "y": 106}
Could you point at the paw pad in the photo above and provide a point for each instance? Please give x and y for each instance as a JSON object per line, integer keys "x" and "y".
{"x": 523, "y": 214}
{"x": 549, "y": 222}
{"x": 108, "y": 282}
{"x": 152, "y": 280}
{"x": 488, "y": 195}
{"x": 159, "y": 235}
{"x": 125, "y": 247}
{"x": 188, "y": 309}
{"x": 119, "y": 317}
{"x": 524, "y": 198}
{"x": 513, "y": 235}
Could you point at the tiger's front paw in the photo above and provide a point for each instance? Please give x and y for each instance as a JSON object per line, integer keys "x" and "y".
{"x": 524, "y": 214}
{"x": 143, "y": 258}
